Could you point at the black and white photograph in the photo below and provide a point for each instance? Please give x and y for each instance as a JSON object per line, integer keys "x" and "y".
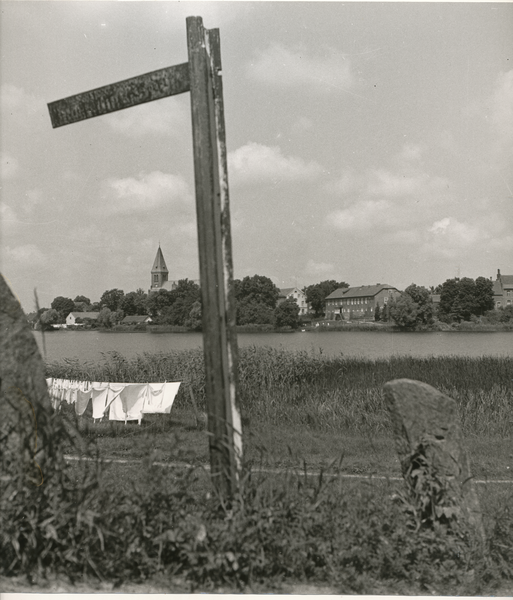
{"x": 256, "y": 297}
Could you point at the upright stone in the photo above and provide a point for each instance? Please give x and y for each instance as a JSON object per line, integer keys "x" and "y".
{"x": 430, "y": 446}
{"x": 24, "y": 399}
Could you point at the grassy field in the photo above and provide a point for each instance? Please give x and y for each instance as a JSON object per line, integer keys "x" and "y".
{"x": 134, "y": 522}
{"x": 300, "y": 406}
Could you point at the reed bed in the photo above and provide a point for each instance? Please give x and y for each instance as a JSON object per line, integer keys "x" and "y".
{"x": 323, "y": 392}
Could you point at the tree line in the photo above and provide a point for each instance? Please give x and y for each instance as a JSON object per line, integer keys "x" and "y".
{"x": 256, "y": 300}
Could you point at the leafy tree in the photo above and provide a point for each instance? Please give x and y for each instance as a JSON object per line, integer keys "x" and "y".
{"x": 135, "y": 303}
{"x": 286, "y": 314}
{"x": 83, "y": 299}
{"x": 484, "y": 296}
{"x": 82, "y": 307}
{"x": 95, "y": 307}
{"x": 506, "y": 314}
{"x": 462, "y": 298}
{"x": 157, "y": 302}
{"x": 112, "y": 299}
{"x": 413, "y": 308}
{"x": 421, "y": 296}
{"x": 48, "y": 318}
{"x": 128, "y": 304}
{"x": 256, "y": 298}
{"x": 377, "y": 313}
{"x": 63, "y": 306}
{"x": 106, "y": 318}
{"x": 182, "y": 299}
{"x": 195, "y": 315}
{"x": 257, "y": 289}
{"x": 316, "y": 294}
{"x": 448, "y": 297}
{"x": 404, "y": 311}
{"x": 252, "y": 312}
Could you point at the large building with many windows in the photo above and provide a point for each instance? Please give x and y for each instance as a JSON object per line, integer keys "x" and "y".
{"x": 359, "y": 303}
{"x": 503, "y": 290}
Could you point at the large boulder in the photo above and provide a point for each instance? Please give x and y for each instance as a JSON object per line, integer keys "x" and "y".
{"x": 25, "y": 406}
{"x": 434, "y": 462}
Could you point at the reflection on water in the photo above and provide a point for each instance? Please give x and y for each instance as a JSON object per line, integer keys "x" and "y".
{"x": 89, "y": 345}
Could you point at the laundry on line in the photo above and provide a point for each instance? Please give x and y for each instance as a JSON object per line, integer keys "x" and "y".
{"x": 119, "y": 401}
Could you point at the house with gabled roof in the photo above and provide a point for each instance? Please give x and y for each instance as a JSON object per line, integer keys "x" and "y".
{"x": 136, "y": 320}
{"x": 82, "y": 317}
{"x": 503, "y": 290}
{"x": 296, "y": 294}
{"x": 359, "y": 303}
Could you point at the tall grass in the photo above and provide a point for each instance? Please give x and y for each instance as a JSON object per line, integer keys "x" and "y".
{"x": 292, "y": 528}
{"x": 324, "y": 392}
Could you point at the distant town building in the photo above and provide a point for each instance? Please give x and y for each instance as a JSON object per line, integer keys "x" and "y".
{"x": 71, "y": 319}
{"x": 294, "y": 294}
{"x": 136, "y": 319}
{"x": 160, "y": 274}
{"x": 359, "y": 303}
{"x": 503, "y": 290}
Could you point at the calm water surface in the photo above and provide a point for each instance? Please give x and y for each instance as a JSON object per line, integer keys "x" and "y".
{"x": 89, "y": 345}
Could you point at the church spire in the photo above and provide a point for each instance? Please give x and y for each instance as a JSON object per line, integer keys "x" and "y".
{"x": 159, "y": 271}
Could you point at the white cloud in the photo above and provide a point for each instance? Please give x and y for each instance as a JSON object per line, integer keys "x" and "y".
{"x": 21, "y": 111}
{"x": 145, "y": 193}
{"x": 9, "y": 166}
{"x": 389, "y": 201}
{"x": 344, "y": 184}
{"x": 8, "y": 218}
{"x": 155, "y": 118}
{"x": 363, "y": 215}
{"x": 282, "y": 67}
{"x": 13, "y": 98}
{"x": 28, "y": 255}
{"x": 318, "y": 268}
{"x": 256, "y": 163}
{"x": 449, "y": 238}
{"x": 387, "y": 183}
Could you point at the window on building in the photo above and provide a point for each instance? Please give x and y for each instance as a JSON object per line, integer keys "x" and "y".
{"x": 155, "y": 277}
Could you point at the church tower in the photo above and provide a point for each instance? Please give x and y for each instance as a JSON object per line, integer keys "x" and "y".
{"x": 159, "y": 272}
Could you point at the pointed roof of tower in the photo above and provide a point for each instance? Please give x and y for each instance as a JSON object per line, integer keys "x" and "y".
{"x": 159, "y": 264}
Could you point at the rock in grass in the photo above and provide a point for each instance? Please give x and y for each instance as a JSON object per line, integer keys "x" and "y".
{"x": 24, "y": 401}
{"x": 433, "y": 458}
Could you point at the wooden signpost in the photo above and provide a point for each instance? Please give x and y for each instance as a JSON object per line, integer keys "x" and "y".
{"x": 201, "y": 76}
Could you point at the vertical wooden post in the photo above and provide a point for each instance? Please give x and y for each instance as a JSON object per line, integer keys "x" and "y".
{"x": 216, "y": 270}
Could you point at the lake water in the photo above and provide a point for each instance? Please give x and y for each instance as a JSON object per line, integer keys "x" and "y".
{"x": 89, "y": 345}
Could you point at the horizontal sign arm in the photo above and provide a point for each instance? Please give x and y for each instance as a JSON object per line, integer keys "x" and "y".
{"x": 117, "y": 96}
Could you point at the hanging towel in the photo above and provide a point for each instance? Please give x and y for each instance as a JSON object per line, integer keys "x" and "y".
{"x": 161, "y": 397}
{"x": 82, "y": 401}
{"x": 129, "y": 404}
{"x": 99, "y": 398}
{"x": 114, "y": 390}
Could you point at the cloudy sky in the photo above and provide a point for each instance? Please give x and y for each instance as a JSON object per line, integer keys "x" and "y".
{"x": 367, "y": 142}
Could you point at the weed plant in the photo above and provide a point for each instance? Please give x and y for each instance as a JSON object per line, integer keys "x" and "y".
{"x": 323, "y": 392}
{"x": 292, "y": 528}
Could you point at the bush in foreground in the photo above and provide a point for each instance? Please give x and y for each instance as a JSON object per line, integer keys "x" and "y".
{"x": 300, "y": 529}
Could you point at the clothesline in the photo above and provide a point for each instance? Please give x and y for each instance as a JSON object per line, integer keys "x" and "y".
{"x": 123, "y": 401}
